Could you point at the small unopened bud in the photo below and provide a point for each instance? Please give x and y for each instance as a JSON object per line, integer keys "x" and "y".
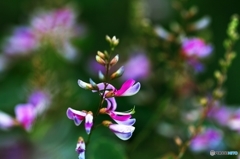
{"x": 101, "y": 76}
{"x": 118, "y": 73}
{"x": 203, "y": 101}
{"x": 80, "y": 139}
{"x": 94, "y": 85}
{"x": 85, "y": 85}
{"x": 108, "y": 39}
{"x": 103, "y": 110}
{"x": 115, "y": 41}
{"x": 178, "y": 141}
{"x": 114, "y": 60}
{"x": 106, "y": 123}
{"x": 102, "y": 55}
{"x": 100, "y": 60}
{"x": 192, "y": 130}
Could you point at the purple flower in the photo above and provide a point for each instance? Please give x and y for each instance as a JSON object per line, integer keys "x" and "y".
{"x": 123, "y": 132}
{"x": 195, "y": 47}
{"x": 209, "y": 139}
{"x": 88, "y": 122}
{"x": 40, "y": 101}
{"x": 6, "y": 121}
{"x": 80, "y": 148}
{"x": 137, "y": 67}
{"x": 25, "y": 115}
{"x": 21, "y": 42}
{"x": 220, "y": 114}
{"x": 79, "y": 116}
{"x": 234, "y": 121}
{"x": 76, "y": 116}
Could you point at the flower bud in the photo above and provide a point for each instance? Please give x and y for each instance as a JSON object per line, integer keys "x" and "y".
{"x": 103, "y": 110}
{"x": 114, "y": 60}
{"x": 102, "y": 55}
{"x": 106, "y": 123}
{"x": 100, "y": 60}
{"x": 101, "y": 76}
{"x": 118, "y": 73}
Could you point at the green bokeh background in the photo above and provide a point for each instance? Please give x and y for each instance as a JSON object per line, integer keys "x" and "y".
{"x": 54, "y": 136}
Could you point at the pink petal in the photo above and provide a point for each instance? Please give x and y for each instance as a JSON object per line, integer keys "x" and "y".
{"x": 130, "y": 91}
{"x": 126, "y": 85}
{"x": 76, "y": 116}
{"x": 25, "y": 114}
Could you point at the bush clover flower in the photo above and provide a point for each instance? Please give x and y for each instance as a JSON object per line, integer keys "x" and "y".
{"x": 22, "y": 42}
{"x": 107, "y": 92}
{"x": 141, "y": 72}
{"x": 80, "y": 148}
{"x": 194, "y": 49}
{"x": 25, "y": 115}
{"x": 79, "y": 116}
{"x": 56, "y": 27}
{"x": 207, "y": 140}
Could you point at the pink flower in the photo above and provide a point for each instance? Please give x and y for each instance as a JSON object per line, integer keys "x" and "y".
{"x": 21, "y": 42}
{"x": 79, "y": 116}
{"x": 25, "y": 115}
{"x": 209, "y": 139}
{"x": 40, "y": 101}
{"x": 196, "y": 47}
{"x": 137, "y": 67}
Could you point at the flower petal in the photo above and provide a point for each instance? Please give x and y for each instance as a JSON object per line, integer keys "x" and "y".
{"x": 130, "y": 91}
{"x": 25, "y": 114}
{"x": 126, "y": 85}
{"x": 124, "y": 132}
{"x": 84, "y": 85}
{"x": 126, "y": 122}
{"x": 88, "y": 122}
{"x": 111, "y": 103}
{"x": 6, "y": 121}
{"x": 76, "y": 116}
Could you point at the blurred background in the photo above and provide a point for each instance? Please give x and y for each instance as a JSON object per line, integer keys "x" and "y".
{"x": 163, "y": 104}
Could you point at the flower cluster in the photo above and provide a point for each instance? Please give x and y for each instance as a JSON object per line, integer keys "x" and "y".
{"x": 26, "y": 113}
{"x": 123, "y": 126}
{"x": 57, "y": 27}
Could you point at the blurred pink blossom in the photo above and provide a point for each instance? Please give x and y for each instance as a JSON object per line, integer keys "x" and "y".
{"x": 194, "y": 49}
{"x": 56, "y": 27}
{"x": 21, "y": 42}
{"x": 137, "y": 67}
{"x": 207, "y": 140}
